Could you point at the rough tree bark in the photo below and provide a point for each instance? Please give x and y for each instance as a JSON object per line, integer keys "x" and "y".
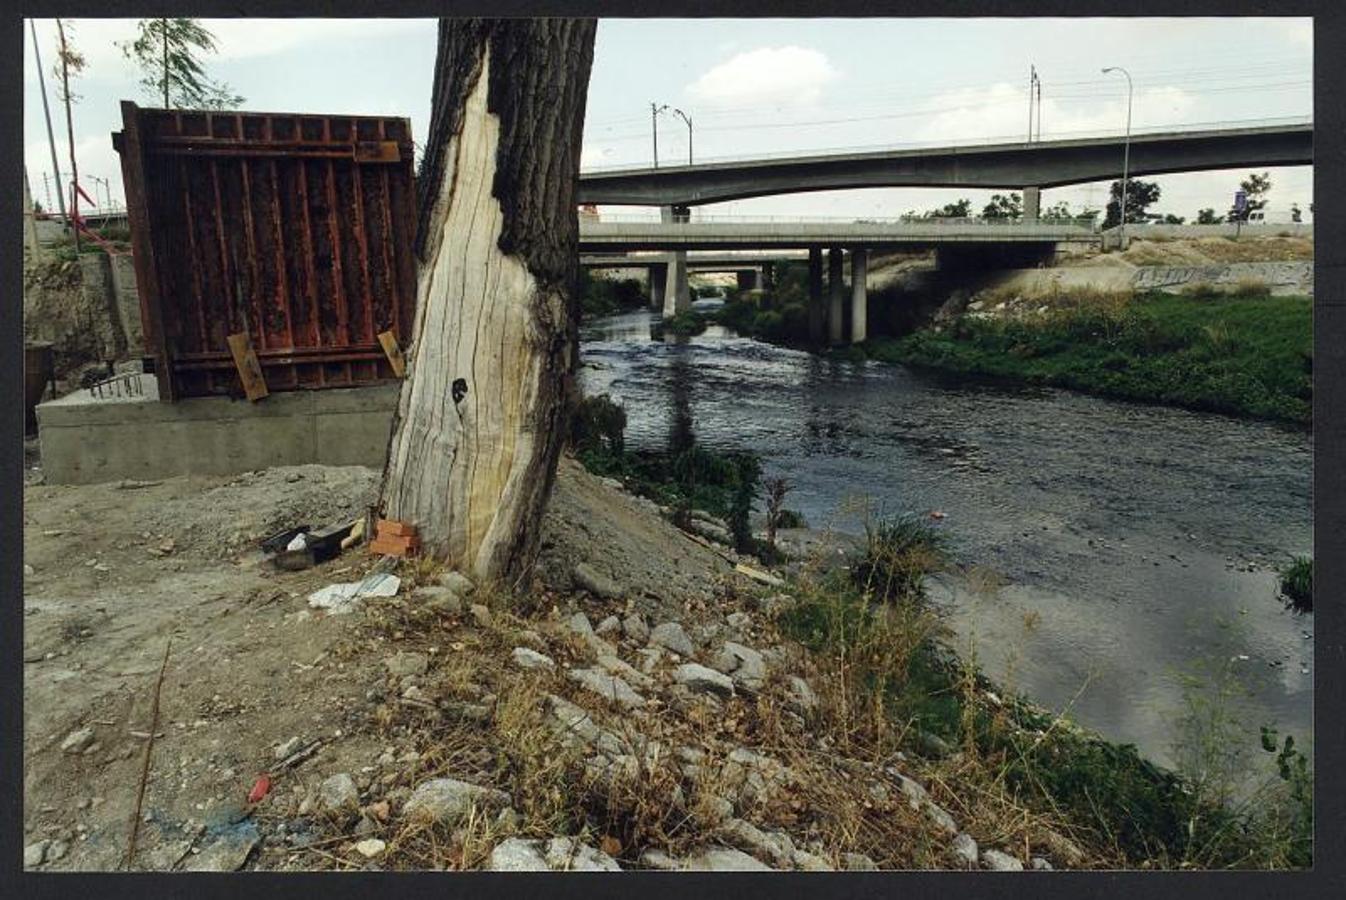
{"x": 480, "y": 422}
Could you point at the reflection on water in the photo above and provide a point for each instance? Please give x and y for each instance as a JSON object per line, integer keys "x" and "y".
{"x": 1125, "y": 531}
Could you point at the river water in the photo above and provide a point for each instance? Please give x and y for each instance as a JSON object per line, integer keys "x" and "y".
{"x": 1132, "y": 547}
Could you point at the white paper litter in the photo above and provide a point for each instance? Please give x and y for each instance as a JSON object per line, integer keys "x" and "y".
{"x": 342, "y": 598}
{"x": 299, "y": 543}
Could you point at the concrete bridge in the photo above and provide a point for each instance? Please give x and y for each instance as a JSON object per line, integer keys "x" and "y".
{"x": 753, "y": 270}
{"x": 1024, "y": 166}
{"x": 961, "y": 242}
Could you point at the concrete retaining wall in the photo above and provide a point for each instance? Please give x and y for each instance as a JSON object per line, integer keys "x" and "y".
{"x": 1111, "y": 236}
{"x": 1280, "y": 277}
{"x": 86, "y": 440}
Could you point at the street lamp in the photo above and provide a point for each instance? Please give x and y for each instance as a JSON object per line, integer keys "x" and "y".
{"x": 689, "y": 134}
{"x": 655, "y": 109}
{"x": 1126, "y": 149}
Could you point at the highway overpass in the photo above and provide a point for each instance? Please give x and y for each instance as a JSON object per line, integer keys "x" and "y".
{"x": 1021, "y": 166}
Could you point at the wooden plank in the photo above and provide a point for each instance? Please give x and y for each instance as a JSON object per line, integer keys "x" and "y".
{"x": 148, "y": 285}
{"x": 394, "y": 353}
{"x": 249, "y": 370}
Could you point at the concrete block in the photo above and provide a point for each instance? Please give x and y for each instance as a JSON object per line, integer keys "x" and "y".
{"x": 85, "y": 439}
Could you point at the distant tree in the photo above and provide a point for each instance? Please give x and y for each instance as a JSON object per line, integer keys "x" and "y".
{"x": 1140, "y": 196}
{"x": 1207, "y": 217}
{"x": 167, "y": 52}
{"x": 962, "y": 209}
{"x": 1171, "y": 219}
{"x": 1256, "y": 187}
{"x": 1057, "y": 211}
{"x": 1296, "y": 214}
{"x": 1003, "y": 206}
{"x": 37, "y": 207}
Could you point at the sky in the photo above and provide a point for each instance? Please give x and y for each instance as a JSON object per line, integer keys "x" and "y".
{"x": 758, "y": 86}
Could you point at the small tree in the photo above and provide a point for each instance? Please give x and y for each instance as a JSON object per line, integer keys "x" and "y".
{"x": 962, "y": 209}
{"x": 1296, "y": 214}
{"x": 1004, "y": 206}
{"x": 1207, "y": 217}
{"x": 776, "y": 489}
{"x": 1057, "y": 211}
{"x": 1140, "y": 196}
{"x": 167, "y": 52}
{"x": 1171, "y": 219}
{"x": 1255, "y": 187}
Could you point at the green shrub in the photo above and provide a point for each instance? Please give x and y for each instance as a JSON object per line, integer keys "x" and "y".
{"x": 598, "y": 425}
{"x": 1297, "y": 583}
{"x": 899, "y": 552}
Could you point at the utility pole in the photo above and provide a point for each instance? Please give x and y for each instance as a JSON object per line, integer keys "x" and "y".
{"x": 1032, "y": 83}
{"x": 51, "y": 137}
{"x": 655, "y": 109}
{"x": 1038, "y": 82}
{"x": 46, "y": 190}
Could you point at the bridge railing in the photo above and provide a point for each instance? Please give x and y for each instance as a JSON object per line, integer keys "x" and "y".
{"x": 1083, "y": 222}
{"x": 805, "y": 152}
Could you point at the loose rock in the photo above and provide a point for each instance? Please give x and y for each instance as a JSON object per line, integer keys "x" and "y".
{"x": 997, "y": 861}
{"x": 338, "y": 794}
{"x": 438, "y": 598}
{"x": 964, "y": 851}
{"x": 601, "y": 586}
{"x": 457, "y": 582}
{"x": 697, "y": 677}
{"x": 78, "y": 741}
{"x": 448, "y": 801}
{"x": 35, "y": 854}
{"x": 403, "y": 664}
{"x": 481, "y": 615}
{"x": 609, "y": 625}
{"x": 609, "y": 687}
{"x": 635, "y": 627}
{"x": 671, "y": 636}
{"x": 724, "y": 859}
{"x": 525, "y": 658}
{"x": 802, "y": 697}
{"x": 371, "y": 848}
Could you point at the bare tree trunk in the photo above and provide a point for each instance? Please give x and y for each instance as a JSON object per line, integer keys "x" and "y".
{"x": 480, "y": 422}
{"x": 70, "y": 137}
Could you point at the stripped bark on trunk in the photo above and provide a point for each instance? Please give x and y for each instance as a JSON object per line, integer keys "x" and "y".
{"x": 480, "y": 421}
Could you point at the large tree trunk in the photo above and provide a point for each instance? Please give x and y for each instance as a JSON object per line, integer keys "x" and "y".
{"x": 479, "y": 425}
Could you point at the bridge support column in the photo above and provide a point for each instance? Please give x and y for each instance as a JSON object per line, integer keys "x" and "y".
{"x": 677, "y": 293}
{"x": 747, "y": 279}
{"x": 859, "y": 294}
{"x": 658, "y": 279}
{"x": 1032, "y": 203}
{"x": 837, "y": 291}
{"x": 816, "y": 309}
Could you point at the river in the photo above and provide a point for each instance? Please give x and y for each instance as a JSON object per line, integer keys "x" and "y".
{"x": 1132, "y": 546}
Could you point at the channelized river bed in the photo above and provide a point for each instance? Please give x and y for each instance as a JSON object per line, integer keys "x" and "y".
{"x": 1136, "y": 544}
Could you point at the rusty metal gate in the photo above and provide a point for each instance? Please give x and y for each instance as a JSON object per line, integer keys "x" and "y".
{"x": 293, "y": 229}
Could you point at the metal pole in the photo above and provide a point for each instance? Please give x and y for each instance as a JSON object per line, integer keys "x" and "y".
{"x": 689, "y": 134}
{"x": 163, "y": 26}
{"x": 46, "y": 111}
{"x": 1032, "y": 77}
{"x": 654, "y": 126}
{"x": 1126, "y": 153}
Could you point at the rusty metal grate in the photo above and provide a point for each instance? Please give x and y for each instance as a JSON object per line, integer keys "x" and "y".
{"x": 296, "y": 229}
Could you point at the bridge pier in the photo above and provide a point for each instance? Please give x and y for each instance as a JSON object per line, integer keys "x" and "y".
{"x": 836, "y": 291}
{"x": 859, "y": 294}
{"x": 1032, "y": 203}
{"x": 658, "y": 277}
{"x": 749, "y": 279}
{"x": 816, "y": 310}
{"x": 677, "y": 293}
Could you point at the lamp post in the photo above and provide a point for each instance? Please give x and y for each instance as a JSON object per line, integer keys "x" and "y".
{"x": 1126, "y": 149}
{"x": 689, "y": 133}
{"x": 655, "y": 109}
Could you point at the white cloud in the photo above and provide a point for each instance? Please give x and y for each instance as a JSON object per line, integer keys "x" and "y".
{"x": 795, "y": 75}
{"x": 1001, "y": 111}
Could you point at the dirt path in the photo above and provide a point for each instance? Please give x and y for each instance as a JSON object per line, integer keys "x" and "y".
{"x": 111, "y": 571}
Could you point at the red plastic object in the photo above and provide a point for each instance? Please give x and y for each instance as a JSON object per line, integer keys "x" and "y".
{"x": 260, "y": 789}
